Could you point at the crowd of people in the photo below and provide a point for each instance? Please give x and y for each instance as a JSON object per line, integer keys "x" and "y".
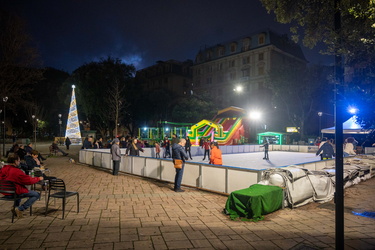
{"x": 24, "y": 167}
{"x": 326, "y": 147}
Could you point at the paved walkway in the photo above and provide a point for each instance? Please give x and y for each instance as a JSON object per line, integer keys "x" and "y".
{"x": 128, "y": 212}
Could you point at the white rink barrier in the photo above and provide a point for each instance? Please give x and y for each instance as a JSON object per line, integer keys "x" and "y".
{"x": 224, "y": 179}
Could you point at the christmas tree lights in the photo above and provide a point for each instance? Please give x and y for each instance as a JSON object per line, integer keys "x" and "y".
{"x": 72, "y": 126}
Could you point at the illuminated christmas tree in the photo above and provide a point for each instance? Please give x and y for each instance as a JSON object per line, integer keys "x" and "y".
{"x": 72, "y": 126}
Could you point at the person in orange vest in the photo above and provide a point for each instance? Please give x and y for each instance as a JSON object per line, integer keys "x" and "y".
{"x": 215, "y": 157}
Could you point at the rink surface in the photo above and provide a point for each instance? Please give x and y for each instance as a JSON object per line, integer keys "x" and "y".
{"x": 255, "y": 160}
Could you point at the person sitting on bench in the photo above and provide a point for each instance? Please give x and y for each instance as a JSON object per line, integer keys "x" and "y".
{"x": 55, "y": 147}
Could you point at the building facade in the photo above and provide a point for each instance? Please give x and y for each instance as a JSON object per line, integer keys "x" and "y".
{"x": 236, "y": 72}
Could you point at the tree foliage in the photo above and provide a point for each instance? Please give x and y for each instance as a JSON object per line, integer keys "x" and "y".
{"x": 102, "y": 92}
{"x": 314, "y": 22}
{"x": 193, "y": 108}
{"x": 17, "y": 59}
{"x": 297, "y": 92}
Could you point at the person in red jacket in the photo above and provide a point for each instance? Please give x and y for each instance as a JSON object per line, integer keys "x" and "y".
{"x": 206, "y": 147}
{"x": 12, "y": 172}
{"x": 215, "y": 157}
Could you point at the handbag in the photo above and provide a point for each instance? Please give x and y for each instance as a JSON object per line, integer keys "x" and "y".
{"x": 177, "y": 163}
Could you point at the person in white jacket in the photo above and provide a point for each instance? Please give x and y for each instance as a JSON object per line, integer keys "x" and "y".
{"x": 349, "y": 147}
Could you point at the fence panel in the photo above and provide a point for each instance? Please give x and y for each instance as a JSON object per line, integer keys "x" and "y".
{"x": 214, "y": 178}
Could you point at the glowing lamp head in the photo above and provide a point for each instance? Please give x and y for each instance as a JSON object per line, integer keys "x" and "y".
{"x": 255, "y": 115}
{"x": 238, "y": 88}
{"x": 352, "y": 110}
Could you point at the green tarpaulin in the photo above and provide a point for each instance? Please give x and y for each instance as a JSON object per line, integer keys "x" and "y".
{"x": 253, "y": 202}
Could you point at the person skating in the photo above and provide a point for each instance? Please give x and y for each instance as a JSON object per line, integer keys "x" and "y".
{"x": 206, "y": 147}
{"x": 265, "y": 146}
{"x": 188, "y": 147}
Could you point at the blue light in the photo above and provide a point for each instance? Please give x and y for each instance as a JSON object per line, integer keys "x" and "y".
{"x": 352, "y": 110}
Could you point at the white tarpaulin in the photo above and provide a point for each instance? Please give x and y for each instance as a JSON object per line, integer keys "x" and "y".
{"x": 349, "y": 127}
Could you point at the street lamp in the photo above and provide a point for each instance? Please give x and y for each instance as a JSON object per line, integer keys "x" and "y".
{"x": 255, "y": 116}
{"x": 5, "y": 99}
{"x": 60, "y": 122}
{"x": 34, "y": 128}
{"x": 238, "y": 89}
{"x": 320, "y": 124}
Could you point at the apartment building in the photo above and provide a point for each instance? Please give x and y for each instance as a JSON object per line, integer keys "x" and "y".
{"x": 236, "y": 72}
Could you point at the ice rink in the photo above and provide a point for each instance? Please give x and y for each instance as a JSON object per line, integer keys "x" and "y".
{"x": 255, "y": 160}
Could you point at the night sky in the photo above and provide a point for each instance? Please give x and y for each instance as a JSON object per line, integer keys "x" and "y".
{"x": 69, "y": 33}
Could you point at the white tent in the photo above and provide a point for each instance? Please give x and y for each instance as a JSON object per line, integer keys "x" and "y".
{"x": 349, "y": 127}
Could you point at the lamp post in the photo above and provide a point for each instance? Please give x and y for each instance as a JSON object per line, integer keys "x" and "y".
{"x": 34, "y": 128}
{"x": 255, "y": 116}
{"x": 60, "y": 122}
{"x": 5, "y": 99}
{"x": 320, "y": 123}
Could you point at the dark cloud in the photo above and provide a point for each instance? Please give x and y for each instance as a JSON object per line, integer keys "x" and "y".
{"x": 70, "y": 33}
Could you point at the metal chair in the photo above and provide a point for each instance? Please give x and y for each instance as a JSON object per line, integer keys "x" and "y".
{"x": 8, "y": 187}
{"x": 57, "y": 189}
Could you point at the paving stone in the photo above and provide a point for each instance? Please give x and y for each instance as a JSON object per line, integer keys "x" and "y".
{"x": 285, "y": 243}
{"x": 81, "y": 244}
{"x": 175, "y": 236}
{"x": 107, "y": 237}
{"x": 217, "y": 244}
{"x": 30, "y": 244}
{"x": 124, "y": 245}
{"x": 179, "y": 244}
{"x": 264, "y": 244}
{"x": 146, "y": 244}
{"x": 83, "y": 235}
{"x": 149, "y": 231}
{"x": 103, "y": 246}
{"x": 201, "y": 243}
{"x": 170, "y": 229}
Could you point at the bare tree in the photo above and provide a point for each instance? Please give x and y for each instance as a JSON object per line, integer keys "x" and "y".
{"x": 115, "y": 101}
{"x": 17, "y": 59}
